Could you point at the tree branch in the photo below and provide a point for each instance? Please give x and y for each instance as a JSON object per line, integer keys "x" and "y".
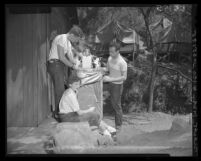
{"x": 162, "y": 66}
{"x": 172, "y": 42}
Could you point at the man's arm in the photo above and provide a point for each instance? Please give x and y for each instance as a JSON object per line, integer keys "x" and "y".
{"x": 105, "y": 69}
{"x": 77, "y": 52}
{"x": 62, "y": 57}
{"x": 118, "y": 79}
{"x": 76, "y": 106}
{"x": 123, "y": 76}
{"x": 81, "y": 112}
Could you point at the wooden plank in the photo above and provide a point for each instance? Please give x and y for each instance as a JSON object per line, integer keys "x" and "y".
{"x": 49, "y": 81}
{"x": 43, "y": 108}
{"x": 28, "y": 75}
{"x": 48, "y": 109}
{"x": 35, "y": 72}
{"x": 14, "y": 70}
{"x": 38, "y": 33}
{"x": 43, "y": 59}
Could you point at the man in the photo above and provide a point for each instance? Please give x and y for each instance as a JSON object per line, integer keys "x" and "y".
{"x": 60, "y": 57}
{"x": 117, "y": 68}
{"x": 70, "y": 110}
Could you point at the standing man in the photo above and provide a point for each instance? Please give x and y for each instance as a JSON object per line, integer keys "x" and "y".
{"x": 117, "y": 68}
{"x": 61, "y": 56}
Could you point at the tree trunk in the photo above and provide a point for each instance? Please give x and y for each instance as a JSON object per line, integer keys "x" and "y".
{"x": 154, "y": 64}
{"x": 151, "y": 90}
{"x": 133, "y": 54}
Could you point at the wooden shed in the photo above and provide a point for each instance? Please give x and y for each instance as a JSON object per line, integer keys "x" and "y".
{"x": 29, "y": 31}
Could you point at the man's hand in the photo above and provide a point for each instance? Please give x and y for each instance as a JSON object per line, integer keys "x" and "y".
{"x": 103, "y": 70}
{"x": 81, "y": 112}
{"x": 107, "y": 79}
{"x": 75, "y": 67}
{"x": 91, "y": 109}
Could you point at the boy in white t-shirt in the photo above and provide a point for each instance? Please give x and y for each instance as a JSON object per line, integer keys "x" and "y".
{"x": 70, "y": 109}
{"x": 117, "y": 68}
{"x": 60, "y": 58}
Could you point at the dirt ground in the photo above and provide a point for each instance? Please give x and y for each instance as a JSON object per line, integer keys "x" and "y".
{"x": 142, "y": 133}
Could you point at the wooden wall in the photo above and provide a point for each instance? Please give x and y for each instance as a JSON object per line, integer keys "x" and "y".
{"x": 29, "y": 87}
{"x": 26, "y": 52}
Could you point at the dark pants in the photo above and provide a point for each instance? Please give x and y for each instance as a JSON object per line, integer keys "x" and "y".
{"x": 92, "y": 118}
{"x": 115, "y": 93}
{"x": 58, "y": 76}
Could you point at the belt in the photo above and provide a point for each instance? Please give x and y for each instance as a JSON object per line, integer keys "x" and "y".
{"x": 69, "y": 114}
{"x": 55, "y": 61}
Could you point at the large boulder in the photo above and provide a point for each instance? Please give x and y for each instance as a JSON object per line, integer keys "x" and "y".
{"x": 69, "y": 137}
{"x": 102, "y": 140}
{"x": 180, "y": 125}
{"x": 126, "y": 134}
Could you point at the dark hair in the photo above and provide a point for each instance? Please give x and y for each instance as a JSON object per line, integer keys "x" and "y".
{"x": 73, "y": 78}
{"x": 116, "y": 45}
{"x": 77, "y": 31}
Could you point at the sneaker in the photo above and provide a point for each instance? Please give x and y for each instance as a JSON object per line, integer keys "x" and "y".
{"x": 106, "y": 132}
{"x": 111, "y": 129}
{"x": 118, "y": 129}
{"x": 56, "y": 116}
{"x": 114, "y": 137}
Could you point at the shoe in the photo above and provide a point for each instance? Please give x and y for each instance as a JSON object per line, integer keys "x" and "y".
{"x": 111, "y": 129}
{"x": 118, "y": 129}
{"x": 114, "y": 137}
{"x": 106, "y": 132}
{"x": 55, "y": 116}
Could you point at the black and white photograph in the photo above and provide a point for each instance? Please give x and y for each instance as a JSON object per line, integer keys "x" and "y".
{"x": 101, "y": 79}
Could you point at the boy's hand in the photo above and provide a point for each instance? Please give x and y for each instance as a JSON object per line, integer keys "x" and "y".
{"x": 91, "y": 109}
{"x": 107, "y": 79}
{"x": 103, "y": 70}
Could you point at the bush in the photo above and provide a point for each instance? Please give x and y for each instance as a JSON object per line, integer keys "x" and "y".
{"x": 172, "y": 93}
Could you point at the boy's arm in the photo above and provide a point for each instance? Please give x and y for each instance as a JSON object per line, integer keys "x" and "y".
{"x": 112, "y": 79}
{"x": 81, "y": 112}
{"x": 77, "y": 107}
{"x": 62, "y": 57}
{"x": 105, "y": 69}
{"x": 123, "y": 76}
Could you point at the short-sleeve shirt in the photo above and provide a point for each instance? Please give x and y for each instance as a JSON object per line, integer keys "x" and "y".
{"x": 68, "y": 102}
{"x": 63, "y": 41}
{"x": 116, "y": 67}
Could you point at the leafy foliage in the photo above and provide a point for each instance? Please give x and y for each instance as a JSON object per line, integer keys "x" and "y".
{"x": 172, "y": 83}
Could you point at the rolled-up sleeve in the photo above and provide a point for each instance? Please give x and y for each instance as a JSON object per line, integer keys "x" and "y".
{"x": 74, "y": 103}
{"x": 123, "y": 66}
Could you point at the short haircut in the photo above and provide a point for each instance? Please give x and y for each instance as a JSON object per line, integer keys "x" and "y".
{"x": 77, "y": 31}
{"x": 116, "y": 45}
{"x": 73, "y": 78}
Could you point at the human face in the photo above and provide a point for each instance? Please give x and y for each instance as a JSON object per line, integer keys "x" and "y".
{"x": 87, "y": 52}
{"x": 75, "y": 85}
{"x": 113, "y": 52}
{"x": 81, "y": 46}
{"x": 73, "y": 38}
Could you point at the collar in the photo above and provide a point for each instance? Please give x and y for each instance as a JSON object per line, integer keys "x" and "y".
{"x": 74, "y": 91}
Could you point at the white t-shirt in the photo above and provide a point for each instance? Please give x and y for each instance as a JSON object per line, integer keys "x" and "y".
{"x": 63, "y": 41}
{"x": 68, "y": 102}
{"x": 116, "y": 67}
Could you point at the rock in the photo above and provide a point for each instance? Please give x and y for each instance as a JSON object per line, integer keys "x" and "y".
{"x": 73, "y": 136}
{"x": 180, "y": 125}
{"x": 102, "y": 140}
{"x": 126, "y": 133}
